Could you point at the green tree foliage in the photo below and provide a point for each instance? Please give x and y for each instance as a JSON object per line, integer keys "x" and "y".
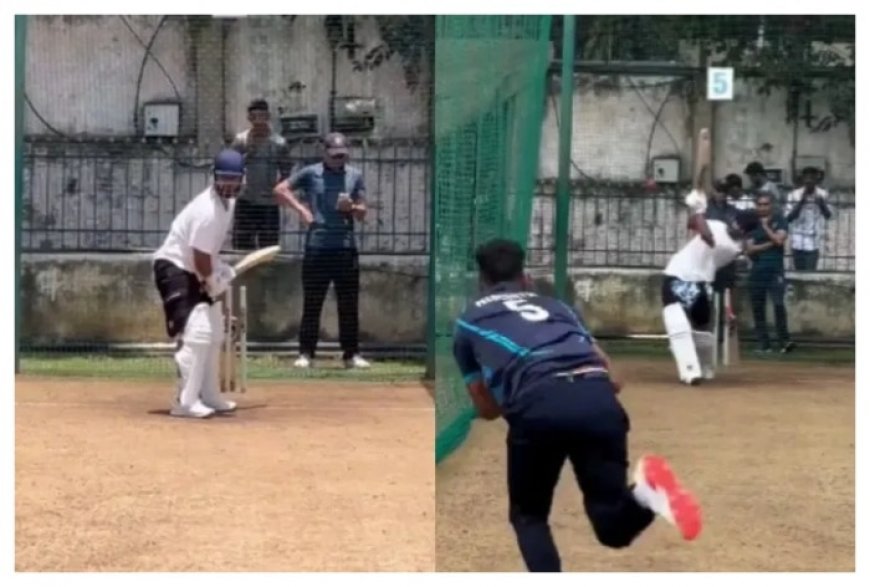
{"x": 804, "y": 55}
{"x": 410, "y": 38}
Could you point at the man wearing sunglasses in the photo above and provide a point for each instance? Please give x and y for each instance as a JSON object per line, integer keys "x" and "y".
{"x": 330, "y": 198}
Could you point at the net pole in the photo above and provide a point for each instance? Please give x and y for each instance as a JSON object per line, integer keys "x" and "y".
{"x": 563, "y": 193}
{"x": 20, "y": 67}
{"x": 432, "y": 307}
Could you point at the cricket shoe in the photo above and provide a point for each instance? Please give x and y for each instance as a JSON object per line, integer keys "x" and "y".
{"x": 356, "y": 362}
{"x": 303, "y": 362}
{"x": 657, "y": 488}
{"x": 197, "y": 410}
{"x": 219, "y": 404}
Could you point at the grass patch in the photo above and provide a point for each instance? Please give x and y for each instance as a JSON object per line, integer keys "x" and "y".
{"x": 260, "y": 367}
{"x": 655, "y": 349}
{"x": 280, "y": 367}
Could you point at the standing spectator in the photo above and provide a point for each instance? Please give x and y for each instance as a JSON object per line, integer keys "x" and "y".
{"x": 760, "y": 183}
{"x": 329, "y": 198}
{"x": 807, "y": 210}
{"x": 267, "y": 160}
{"x": 766, "y": 248}
{"x": 739, "y": 198}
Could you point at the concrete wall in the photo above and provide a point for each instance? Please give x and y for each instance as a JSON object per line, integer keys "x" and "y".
{"x": 82, "y": 73}
{"x": 614, "y": 118}
{"x": 291, "y": 65}
{"x": 611, "y": 127}
{"x": 752, "y": 127}
{"x": 619, "y": 302}
{"x": 111, "y": 298}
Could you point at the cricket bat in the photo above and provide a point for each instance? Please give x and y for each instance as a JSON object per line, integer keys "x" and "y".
{"x": 702, "y": 161}
{"x": 733, "y": 334}
{"x": 256, "y": 258}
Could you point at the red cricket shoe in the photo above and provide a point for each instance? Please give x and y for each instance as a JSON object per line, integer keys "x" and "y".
{"x": 657, "y": 488}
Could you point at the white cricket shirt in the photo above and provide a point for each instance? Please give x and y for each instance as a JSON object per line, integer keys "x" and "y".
{"x": 203, "y": 225}
{"x": 697, "y": 261}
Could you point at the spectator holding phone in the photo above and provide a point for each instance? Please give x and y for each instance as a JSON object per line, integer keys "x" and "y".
{"x": 330, "y": 198}
{"x": 808, "y": 210}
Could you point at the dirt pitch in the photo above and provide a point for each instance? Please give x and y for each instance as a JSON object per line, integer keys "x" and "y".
{"x": 769, "y": 449}
{"x": 306, "y": 476}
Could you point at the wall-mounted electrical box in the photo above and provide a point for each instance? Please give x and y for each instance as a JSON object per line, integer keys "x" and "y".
{"x": 775, "y": 175}
{"x": 666, "y": 169}
{"x": 354, "y": 115}
{"x": 304, "y": 125}
{"x": 160, "y": 119}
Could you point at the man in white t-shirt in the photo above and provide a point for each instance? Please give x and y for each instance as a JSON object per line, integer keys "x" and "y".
{"x": 190, "y": 275}
{"x": 687, "y": 279}
{"x": 807, "y": 211}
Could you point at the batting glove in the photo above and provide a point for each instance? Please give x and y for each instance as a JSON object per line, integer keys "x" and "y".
{"x": 697, "y": 202}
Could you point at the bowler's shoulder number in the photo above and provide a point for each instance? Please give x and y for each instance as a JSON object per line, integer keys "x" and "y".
{"x": 527, "y": 311}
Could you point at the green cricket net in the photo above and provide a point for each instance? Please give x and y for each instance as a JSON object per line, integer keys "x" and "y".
{"x": 490, "y": 74}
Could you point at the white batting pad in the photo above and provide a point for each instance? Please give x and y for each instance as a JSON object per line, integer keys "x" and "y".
{"x": 192, "y": 361}
{"x": 211, "y": 393}
{"x": 705, "y": 346}
{"x": 211, "y": 386}
{"x": 200, "y": 327}
{"x": 218, "y": 322}
{"x": 682, "y": 342}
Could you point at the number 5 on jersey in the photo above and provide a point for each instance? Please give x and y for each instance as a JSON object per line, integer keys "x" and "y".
{"x": 527, "y": 311}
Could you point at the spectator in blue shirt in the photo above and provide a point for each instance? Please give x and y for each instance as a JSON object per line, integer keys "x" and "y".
{"x": 330, "y": 198}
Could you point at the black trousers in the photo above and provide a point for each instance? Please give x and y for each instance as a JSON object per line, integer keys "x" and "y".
{"x": 180, "y": 292}
{"x": 255, "y": 225}
{"x": 762, "y": 284}
{"x": 320, "y": 268}
{"x": 583, "y": 422}
{"x": 805, "y": 260}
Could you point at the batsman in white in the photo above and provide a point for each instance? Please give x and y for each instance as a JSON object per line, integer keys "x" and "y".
{"x": 190, "y": 276}
{"x": 688, "y": 278}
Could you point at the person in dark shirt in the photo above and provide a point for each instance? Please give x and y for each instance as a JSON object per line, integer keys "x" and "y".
{"x": 760, "y": 183}
{"x": 330, "y": 198}
{"x": 766, "y": 249}
{"x": 267, "y": 159}
{"x": 531, "y": 359}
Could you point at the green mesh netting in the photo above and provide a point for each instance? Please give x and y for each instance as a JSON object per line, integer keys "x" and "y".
{"x": 490, "y": 75}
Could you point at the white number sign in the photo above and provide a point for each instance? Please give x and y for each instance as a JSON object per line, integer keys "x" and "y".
{"x": 720, "y": 83}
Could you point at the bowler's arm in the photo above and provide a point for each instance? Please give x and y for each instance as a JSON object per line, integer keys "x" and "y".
{"x": 484, "y": 403}
{"x": 697, "y": 203}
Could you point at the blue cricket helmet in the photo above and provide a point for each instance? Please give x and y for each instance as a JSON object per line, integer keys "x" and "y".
{"x": 229, "y": 162}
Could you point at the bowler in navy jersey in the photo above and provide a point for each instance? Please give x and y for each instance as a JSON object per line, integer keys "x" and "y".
{"x": 511, "y": 338}
{"x": 530, "y": 359}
